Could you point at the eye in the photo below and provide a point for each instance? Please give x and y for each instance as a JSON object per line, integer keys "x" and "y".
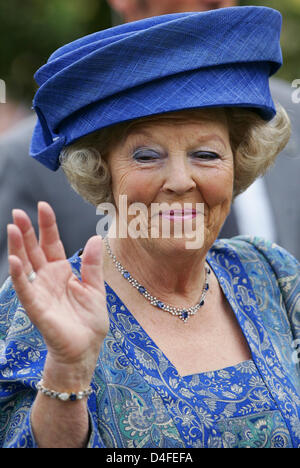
{"x": 207, "y": 155}
{"x": 144, "y": 155}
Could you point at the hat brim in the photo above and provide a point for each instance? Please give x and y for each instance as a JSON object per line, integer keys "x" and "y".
{"x": 239, "y": 86}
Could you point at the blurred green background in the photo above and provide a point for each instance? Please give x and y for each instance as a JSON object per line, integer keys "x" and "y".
{"x": 290, "y": 38}
{"x": 31, "y": 30}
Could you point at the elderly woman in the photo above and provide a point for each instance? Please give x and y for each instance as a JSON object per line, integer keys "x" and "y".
{"x": 139, "y": 341}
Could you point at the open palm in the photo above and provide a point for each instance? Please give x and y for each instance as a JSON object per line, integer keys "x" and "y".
{"x": 70, "y": 314}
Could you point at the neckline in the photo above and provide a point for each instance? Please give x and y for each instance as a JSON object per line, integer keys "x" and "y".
{"x": 150, "y": 341}
{"x": 231, "y": 300}
{"x": 222, "y": 369}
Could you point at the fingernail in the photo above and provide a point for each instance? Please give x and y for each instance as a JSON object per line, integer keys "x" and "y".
{"x": 16, "y": 211}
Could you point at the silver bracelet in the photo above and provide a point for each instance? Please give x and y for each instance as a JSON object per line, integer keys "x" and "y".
{"x": 63, "y": 396}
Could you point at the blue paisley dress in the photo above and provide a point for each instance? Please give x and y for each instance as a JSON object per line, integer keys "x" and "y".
{"x": 140, "y": 401}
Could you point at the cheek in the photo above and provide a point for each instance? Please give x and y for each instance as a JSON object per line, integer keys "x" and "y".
{"x": 139, "y": 187}
{"x": 218, "y": 187}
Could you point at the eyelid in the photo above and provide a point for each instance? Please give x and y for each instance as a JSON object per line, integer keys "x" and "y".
{"x": 204, "y": 151}
{"x": 146, "y": 151}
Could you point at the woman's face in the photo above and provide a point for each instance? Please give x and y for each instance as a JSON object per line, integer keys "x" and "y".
{"x": 174, "y": 162}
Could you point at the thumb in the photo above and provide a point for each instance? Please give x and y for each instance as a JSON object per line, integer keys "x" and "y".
{"x": 92, "y": 262}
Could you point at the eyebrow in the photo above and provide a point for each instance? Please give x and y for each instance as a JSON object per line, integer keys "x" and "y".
{"x": 199, "y": 139}
{"x": 211, "y": 137}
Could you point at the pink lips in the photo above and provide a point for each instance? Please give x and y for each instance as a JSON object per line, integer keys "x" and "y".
{"x": 179, "y": 215}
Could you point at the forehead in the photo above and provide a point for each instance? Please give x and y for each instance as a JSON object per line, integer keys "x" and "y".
{"x": 193, "y": 119}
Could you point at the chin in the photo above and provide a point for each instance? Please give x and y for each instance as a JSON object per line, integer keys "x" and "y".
{"x": 177, "y": 246}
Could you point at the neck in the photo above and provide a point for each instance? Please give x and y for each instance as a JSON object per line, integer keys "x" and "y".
{"x": 173, "y": 277}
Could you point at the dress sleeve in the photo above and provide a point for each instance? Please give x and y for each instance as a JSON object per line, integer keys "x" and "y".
{"x": 22, "y": 356}
{"x": 286, "y": 270}
{"x": 19, "y": 368}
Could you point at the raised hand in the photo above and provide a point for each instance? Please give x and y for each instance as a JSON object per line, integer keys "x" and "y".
{"x": 70, "y": 314}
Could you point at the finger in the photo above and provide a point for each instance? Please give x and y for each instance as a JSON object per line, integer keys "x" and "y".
{"x": 16, "y": 247}
{"x": 50, "y": 240}
{"x": 92, "y": 263}
{"x": 34, "y": 252}
{"x": 22, "y": 286}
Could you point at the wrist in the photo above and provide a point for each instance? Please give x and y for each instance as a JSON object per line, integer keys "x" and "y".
{"x": 66, "y": 378}
{"x": 63, "y": 396}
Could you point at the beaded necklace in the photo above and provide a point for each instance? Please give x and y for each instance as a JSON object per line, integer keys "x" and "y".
{"x": 182, "y": 313}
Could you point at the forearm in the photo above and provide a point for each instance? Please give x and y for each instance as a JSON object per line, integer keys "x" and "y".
{"x": 58, "y": 424}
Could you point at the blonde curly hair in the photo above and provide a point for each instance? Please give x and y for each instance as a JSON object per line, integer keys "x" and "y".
{"x": 255, "y": 144}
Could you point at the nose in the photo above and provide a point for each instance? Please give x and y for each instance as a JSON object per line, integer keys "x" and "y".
{"x": 178, "y": 177}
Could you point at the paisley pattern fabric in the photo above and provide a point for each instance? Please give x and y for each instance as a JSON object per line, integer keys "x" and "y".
{"x": 247, "y": 415}
{"x": 139, "y": 399}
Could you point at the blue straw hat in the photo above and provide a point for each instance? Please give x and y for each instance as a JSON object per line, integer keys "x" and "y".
{"x": 167, "y": 63}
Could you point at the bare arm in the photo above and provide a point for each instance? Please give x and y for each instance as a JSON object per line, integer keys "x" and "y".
{"x": 60, "y": 425}
{"x": 70, "y": 314}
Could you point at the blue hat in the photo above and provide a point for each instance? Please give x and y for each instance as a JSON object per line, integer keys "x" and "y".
{"x": 167, "y": 63}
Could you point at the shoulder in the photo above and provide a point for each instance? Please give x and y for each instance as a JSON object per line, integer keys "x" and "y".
{"x": 8, "y": 306}
{"x": 269, "y": 270}
{"x": 249, "y": 248}
{"x": 266, "y": 264}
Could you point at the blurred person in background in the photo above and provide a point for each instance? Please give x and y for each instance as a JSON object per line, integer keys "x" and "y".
{"x": 132, "y": 10}
{"x": 23, "y": 183}
{"x": 262, "y": 210}
{"x": 10, "y": 114}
